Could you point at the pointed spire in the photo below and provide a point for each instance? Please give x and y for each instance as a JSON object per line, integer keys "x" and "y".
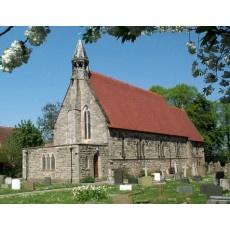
{"x": 80, "y": 52}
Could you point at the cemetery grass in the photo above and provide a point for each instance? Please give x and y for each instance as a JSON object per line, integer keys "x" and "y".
{"x": 156, "y": 194}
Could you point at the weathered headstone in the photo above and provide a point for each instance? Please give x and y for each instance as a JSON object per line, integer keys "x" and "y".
{"x": 175, "y": 167}
{"x": 201, "y": 171}
{"x": 2, "y": 179}
{"x": 225, "y": 184}
{"x": 28, "y": 185}
{"x": 194, "y": 170}
{"x": 5, "y": 186}
{"x": 228, "y": 169}
{"x": 146, "y": 181}
{"x": 125, "y": 187}
{"x": 118, "y": 176}
{"x": 185, "y": 171}
{"x": 219, "y": 175}
{"x": 211, "y": 190}
{"x": 218, "y": 200}
{"x": 210, "y": 167}
{"x": 16, "y": 184}
{"x": 177, "y": 176}
{"x": 187, "y": 189}
{"x": 8, "y": 180}
{"x": 185, "y": 180}
{"x": 47, "y": 181}
{"x": 218, "y": 166}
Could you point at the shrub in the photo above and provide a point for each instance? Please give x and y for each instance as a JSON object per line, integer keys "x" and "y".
{"x": 88, "y": 179}
{"x": 90, "y": 192}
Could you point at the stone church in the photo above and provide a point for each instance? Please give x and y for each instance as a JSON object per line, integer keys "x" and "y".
{"x": 105, "y": 124}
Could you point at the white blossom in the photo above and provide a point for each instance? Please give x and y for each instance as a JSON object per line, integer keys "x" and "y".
{"x": 227, "y": 59}
{"x": 14, "y": 56}
{"x": 191, "y": 47}
{"x": 36, "y": 35}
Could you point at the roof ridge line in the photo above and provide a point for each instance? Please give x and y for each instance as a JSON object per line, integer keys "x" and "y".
{"x": 129, "y": 84}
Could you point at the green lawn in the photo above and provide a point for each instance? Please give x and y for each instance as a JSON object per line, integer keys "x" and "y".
{"x": 159, "y": 194}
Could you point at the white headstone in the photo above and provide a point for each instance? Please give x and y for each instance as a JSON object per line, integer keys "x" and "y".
{"x": 125, "y": 187}
{"x": 8, "y": 180}
{"x": 194, "y": 170}
{"x": 16, "y": 184}
{"x": 157, "y": 176}
{"x": 146, "y": 171}
{"x": 175, "y": 167}
{"x": 185, "y": 170}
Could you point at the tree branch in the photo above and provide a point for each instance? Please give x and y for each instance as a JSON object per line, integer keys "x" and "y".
{"x": 6, "y": 30}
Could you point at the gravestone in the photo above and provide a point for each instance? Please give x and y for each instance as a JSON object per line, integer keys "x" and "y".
{"x": 194, "y": 170}
{"x": 8, "y": 180}
{"x": 185, "y": 180}
{"x": 219, "y": 175}
{"x": 201, "y": 171}
{"x": 218, "y": 166}
{"x": 118, "y": 176}
{"x": 185, "y": 168}
{"x": 177, "y": 176}
{"x": 2, "y": 179}
{"x": 47, "y": 181}
{"x": 5, "y": 186}
{"x": 228, "y": 169}
{"x": 211, "y": 190}
{"x": 210, "y": 167}
{"x": 225, "y": 184}
{"x": 197, "y": 178}
{"x": 175, "y": 167}
{"x": 186, "y": 189}
{"x": 218, "y": 200}
{"x": 145, "y": 181}
{"x": 125, "y": 187}
{"x": 110, "y": 176}
{"x": 157, "y": 177}
{"x": 16, "y": 184}
{"x": 29, "y": 185}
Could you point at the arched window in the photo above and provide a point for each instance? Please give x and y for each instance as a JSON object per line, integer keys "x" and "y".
{"x": 87, "y": 125}
{"x": 48, "y": 162}
{"x": 52, "y": 162}
{"x": 43, "y": 162}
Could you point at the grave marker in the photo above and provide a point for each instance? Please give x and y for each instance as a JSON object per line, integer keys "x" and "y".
{"x": 225, "y": 184}
{"x": 211, "y": 190}
{"x": 16, "y": 184}
{"x": 187, "y": 189}
{"x": 8, "y": 180}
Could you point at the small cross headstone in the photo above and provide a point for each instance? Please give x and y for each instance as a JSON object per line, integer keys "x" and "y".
{"x": 16, "y": 184}
{"x": 175, "y": 167}
{"x": 185, "y": 170}
{"x": 211, "y": 190}
{"x": 8, "y": 180}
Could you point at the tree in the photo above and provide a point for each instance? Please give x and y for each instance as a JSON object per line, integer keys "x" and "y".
{"x": 181, "y": 96}
{"x": 18, "y": 53}
{"x": 204, "y": 115}
{"x": 212, "y": 49}
{"x": 202, "y": 112}
{"x": 25, "y": 135}
{"x": 47, "y": 121}
{"x": 224, "y": 119}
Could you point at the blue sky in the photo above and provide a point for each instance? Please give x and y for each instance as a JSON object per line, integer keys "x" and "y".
{"x": 161, "y": 59}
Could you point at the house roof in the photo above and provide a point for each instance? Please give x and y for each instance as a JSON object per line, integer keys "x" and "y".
{"x": 132, "y": 108}
{"x": 4, "y": 133}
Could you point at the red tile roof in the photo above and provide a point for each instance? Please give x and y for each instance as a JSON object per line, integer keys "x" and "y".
{"x": 4, "y": 133}
{"x": 132, "y": 108}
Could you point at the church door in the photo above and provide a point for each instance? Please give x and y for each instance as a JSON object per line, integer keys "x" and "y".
{"x": 95, "y": 164}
